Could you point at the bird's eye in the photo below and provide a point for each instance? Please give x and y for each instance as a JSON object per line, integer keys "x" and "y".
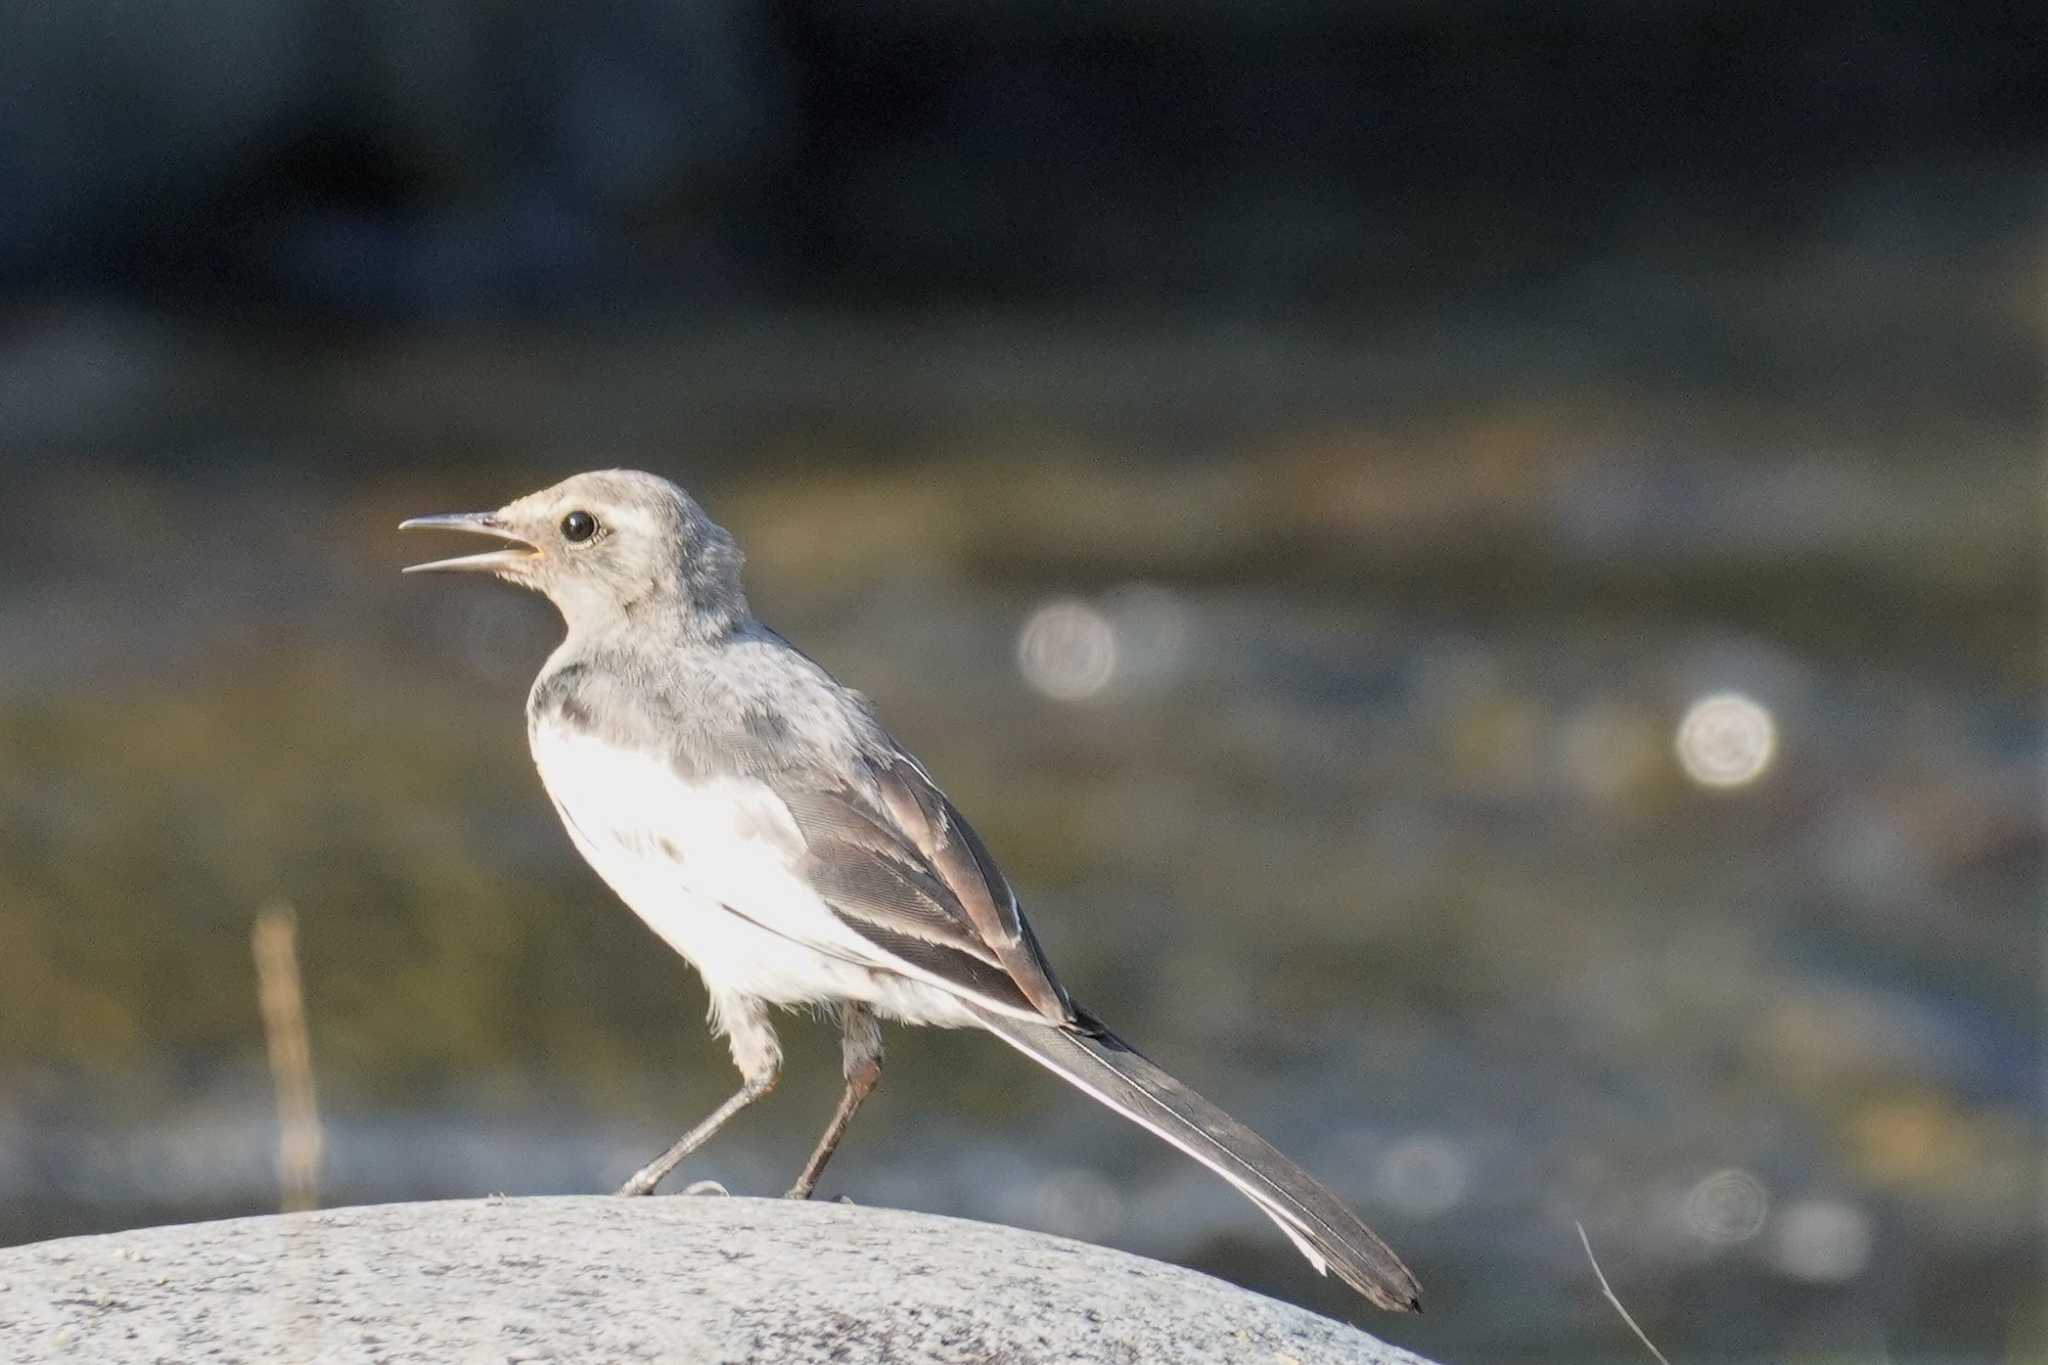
{"x": 579, "y": 526}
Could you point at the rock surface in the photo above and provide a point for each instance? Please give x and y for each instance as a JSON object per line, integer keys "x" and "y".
{"x": 600, "y": 1280}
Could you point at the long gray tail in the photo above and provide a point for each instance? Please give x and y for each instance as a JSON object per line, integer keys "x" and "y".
{"x": 1330, "y": 1235}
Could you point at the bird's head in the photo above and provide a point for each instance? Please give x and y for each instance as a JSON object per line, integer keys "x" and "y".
{"x": 610, "y": 547}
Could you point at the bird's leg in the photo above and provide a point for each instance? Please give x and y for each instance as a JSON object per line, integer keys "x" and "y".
{"x": 861, "y": 1051}
{"x": 756, "y": 1053}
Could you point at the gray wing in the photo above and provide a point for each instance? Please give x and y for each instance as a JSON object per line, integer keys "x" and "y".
{"x": 900, "y": 867}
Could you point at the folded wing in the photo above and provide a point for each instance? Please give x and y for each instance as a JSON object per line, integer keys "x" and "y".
{"x": 900, "y": 867}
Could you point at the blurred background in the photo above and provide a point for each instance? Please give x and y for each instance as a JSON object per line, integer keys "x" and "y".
{"x": 1479, "y": 564}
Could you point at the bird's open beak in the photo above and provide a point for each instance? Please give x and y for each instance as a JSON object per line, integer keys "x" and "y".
{"x": 477, "y": 523}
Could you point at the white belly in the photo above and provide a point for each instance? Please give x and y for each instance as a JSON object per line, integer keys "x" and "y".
{"x": 708, "y": 865}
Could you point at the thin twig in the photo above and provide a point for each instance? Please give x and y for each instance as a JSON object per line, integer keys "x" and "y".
{"x": 1608, "y": 1290}
{"x": 274, "y": 940}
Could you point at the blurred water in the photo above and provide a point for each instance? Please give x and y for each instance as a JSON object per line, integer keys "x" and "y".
{"x": 1554, "y": 811}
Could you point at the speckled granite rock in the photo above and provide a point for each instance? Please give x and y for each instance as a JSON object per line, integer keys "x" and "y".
{"x": 602, "y": 1280}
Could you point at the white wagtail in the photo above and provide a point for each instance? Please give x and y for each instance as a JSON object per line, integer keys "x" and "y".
{"x": 758, "y": 817}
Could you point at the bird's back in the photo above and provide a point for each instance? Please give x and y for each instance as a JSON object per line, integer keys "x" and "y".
{"x": 745, "y": 706}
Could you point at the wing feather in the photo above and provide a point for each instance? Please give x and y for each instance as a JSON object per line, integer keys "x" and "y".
{"x": 902, "y": 868}
{"x": 873, "y": 890}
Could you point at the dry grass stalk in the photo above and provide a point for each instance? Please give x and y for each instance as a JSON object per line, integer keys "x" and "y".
{"x": 1608, "y": 1290}
{"x": 274, "y": 940}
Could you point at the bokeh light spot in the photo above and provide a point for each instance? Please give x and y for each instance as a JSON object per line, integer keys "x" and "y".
{"x": 1151, "y": 625}
{"x": 1726, "y": 740}
{"x": 1823, "y": 1241}
{"x": 1423, "y": 1177}
{"x": 1067, "y": 650}
{"x": 1727, "y": 1207}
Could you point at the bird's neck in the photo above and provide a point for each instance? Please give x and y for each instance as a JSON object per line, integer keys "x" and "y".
{"x": 653, "y": 625}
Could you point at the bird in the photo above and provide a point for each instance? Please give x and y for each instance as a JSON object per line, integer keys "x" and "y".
{"x": 754, "y": 812}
